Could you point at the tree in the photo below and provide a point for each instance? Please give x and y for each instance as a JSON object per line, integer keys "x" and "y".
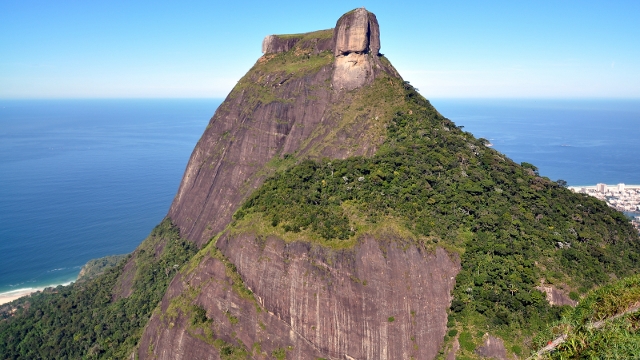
{"x": 561, "y": 183}
{"x": 527, "y": 165}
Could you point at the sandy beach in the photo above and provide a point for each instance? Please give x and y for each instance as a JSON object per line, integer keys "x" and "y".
{"x": 12, "y": 295}
{"x": 16, "y": 294}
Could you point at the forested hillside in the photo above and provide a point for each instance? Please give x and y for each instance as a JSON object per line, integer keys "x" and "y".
{"x": 431, "y": 181}
{"x": 83, "y": 320}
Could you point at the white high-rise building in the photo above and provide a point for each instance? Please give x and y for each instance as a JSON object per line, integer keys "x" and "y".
{"x": 621, "y": 187}
{"x": 601, "y": 188}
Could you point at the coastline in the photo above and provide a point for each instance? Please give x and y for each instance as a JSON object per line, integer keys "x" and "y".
{"x": 12, "y": 295}
{"x": 578, "y": 187}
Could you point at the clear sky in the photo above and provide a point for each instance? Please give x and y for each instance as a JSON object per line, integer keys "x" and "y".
{"x": 504, "y": 49}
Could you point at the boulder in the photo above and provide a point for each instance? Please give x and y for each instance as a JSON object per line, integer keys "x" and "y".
{"x": 357, "y": 31}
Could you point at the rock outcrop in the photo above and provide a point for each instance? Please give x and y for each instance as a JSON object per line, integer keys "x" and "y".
{"x": 286, "y": 109}
{"x": 455, "y": 346}
{"x": 357, "y": 43}
{"x": 492, "y": 348}
{"x": 313, "y": 43}
{"x": 379, "y": 300}
{"x": 275, "y": 44}
{"x": 270, "y": 113}
{"x": 357, "y": 32}
{"x": 555, "y": 296}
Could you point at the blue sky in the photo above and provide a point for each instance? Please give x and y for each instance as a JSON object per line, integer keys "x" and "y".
{"x": 447, "y": 49}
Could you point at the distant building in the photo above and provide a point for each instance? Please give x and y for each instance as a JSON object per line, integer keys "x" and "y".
{"x": 601, "y": 188}
{"x": 621, "y": 187}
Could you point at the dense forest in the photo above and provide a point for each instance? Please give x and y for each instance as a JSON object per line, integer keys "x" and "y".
{"x": 96, "y": 267}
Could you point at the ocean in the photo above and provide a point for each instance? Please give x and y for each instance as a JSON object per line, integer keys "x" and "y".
{"x": 583, "y": 142}
{"x": 82, "y": 179}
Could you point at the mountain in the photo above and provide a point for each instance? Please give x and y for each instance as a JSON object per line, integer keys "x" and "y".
{"x": 330, "y": 211}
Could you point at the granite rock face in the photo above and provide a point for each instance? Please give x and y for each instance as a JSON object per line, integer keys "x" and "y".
{"x": 237, "y": 144}
{"x": 357, "y": 44}
{"x": 269, "y": 114}
{"x": 492, "y": 348}
{"x": 555, "y": 296}
{"x": 239, "y": 141}
{"x": 275, "y": 44}
{"x": 380, "y": 300}
{"x": 357, "y": 31}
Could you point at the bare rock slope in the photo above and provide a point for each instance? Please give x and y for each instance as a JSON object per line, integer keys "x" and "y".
{"x": 310, "y": 302}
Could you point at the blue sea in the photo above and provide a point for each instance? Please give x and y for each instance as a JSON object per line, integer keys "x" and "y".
{"x": 82, "y": 179}
{"x": 583, "y": 142}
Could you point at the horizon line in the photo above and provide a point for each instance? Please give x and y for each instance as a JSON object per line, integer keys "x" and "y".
{"x": 224, "y": 97}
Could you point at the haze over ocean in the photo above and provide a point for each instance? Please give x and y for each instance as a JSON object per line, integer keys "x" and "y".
{"x": 82, "y": 179}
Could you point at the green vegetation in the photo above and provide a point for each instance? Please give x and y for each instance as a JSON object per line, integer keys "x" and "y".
{"x": 199, "y": 316}
{"x": 429, "y": 179}
{"x": 279, "y": 353}
{"x": 466, "y": 341}
{"x": 261, "y": 84}
{"x": 361, "y": 117}
{"x": 273, "y": 70}
{"x": 84, "y": 320}
{"x": 310, "y": 36}
{"x": 229, "y": 351}
{"x": 96, "y": 267}
{"x": 605, "y": 325}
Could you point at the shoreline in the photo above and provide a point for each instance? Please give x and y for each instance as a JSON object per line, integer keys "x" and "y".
{"x": 578, "y": 187}
{"x": 12, "y": 295}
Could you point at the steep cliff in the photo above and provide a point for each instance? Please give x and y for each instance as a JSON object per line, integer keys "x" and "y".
{"x": 289, "y": 103}
{"x": 373, "y": 301}
{"x": 357, "y": 43}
